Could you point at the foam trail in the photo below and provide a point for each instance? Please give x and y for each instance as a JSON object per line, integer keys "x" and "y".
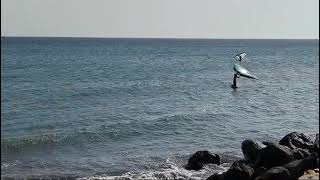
{"x": 170, "y": 171}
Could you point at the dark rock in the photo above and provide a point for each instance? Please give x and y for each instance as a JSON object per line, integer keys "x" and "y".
{"x": 216, "y": 177}
{"x": 259, "y": 172}
{"x": 267, "y": 143}
{"x": 274, "y": 155}
{"x": 251, "y": 149}
{"x": 297, "y": 140}
{"x": 71, "y": 178}
{"x": 276, "y": 173}
{"x": 298, "y": 167}
{"x": 227, "y": 158}
{"x": 316, "y": 144}
{"x": 200, "y": 158}
{"x": 239, "y": 170}
{"x": 299, "y": 153}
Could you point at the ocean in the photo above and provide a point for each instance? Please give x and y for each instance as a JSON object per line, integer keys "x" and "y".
{"x": 110, "y": 108}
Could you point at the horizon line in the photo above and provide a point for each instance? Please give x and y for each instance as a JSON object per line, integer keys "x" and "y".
{"x": 187, "y": 38}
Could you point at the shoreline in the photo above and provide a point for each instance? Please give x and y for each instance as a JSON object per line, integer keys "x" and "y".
{"x": 295, "y": 157}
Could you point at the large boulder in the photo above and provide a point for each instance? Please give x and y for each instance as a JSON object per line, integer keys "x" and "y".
{"x": 216, "y": 177}
{"x": 297, "y": 140}
{"x": 251, "y": 149}
{"x": 298, "y": 167}
{"x": 299, "y": 153}
{"x": 239, "y": 170}
{"x": 200, "y": 158}
{"x": 274, "y": 155}
{"x": 276, "y": 173}
{"x": 259, "y": 172}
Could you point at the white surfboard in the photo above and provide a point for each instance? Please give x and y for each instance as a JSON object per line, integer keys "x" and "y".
{"x": 243, "y": 72}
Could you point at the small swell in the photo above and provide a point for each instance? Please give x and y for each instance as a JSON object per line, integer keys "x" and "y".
{"x": 92, "y": 135}
{"x": 15, "y": 143}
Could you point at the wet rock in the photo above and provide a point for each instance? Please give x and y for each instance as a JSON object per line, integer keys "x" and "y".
{"x": 276, "y": 173}
{"x": 200, "y": 158}
{"x": 259, "y": 172}
{"x": 299, "y": 153}
{"x": 216, "y": 177}
{"x": 298, "y": 167}
{"x": 239, "y": 170}
{"x": 297, "y": 140}
{"x": 251, "y": 149}
{"x": 274, "y": 155}
{"x": 292, "y": 158}
{"x": 267, "y": 143}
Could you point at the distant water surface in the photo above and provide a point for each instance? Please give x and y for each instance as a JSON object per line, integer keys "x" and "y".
{"x": 139, "y": 107}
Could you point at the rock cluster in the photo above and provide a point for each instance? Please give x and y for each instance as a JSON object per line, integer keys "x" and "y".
{"x": 290, "y": 159}
{"x": 200, "y": 158}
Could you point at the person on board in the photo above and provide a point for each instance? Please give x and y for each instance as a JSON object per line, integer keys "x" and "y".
{"x": 235, "y": 76}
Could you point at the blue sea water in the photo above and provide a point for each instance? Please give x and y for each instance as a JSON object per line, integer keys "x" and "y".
{"x": 138, "y": 108}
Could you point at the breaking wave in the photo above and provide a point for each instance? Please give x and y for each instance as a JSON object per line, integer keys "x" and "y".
{"x": 166, "y": 171}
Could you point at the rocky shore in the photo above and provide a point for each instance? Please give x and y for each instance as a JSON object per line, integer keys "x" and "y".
{"x": 294, "y": 157}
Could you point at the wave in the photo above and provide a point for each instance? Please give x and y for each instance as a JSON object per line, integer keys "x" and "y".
{"x": 8, "y": 144}
{"x": 19, "y": 142}
{"x": 125, "y": 129}
{"x": 152, "y": 168}
{"x": 182, "y": 55}
{"x": 166, "y": 171}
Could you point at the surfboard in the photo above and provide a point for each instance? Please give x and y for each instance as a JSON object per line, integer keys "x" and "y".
{"x": 233, "y": 86}
{"x": 243, "y": 72}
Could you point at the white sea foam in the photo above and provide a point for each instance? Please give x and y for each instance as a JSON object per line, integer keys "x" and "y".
{"x": 5, "y": 165}
{"x": 170, "y": 171}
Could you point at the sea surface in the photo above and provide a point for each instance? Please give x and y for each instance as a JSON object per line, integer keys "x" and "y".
{"x": 138, "y": 108}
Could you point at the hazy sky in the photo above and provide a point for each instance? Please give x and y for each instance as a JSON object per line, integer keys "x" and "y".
{"x": 161, "y": 18}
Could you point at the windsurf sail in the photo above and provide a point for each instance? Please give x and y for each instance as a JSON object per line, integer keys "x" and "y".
{"x": 243, "y": 72}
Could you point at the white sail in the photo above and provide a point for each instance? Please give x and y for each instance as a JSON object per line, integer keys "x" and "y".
{"x": 243, "y": 72}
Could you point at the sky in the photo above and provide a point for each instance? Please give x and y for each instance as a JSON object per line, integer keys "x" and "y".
{"x": 257, "y": 19}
